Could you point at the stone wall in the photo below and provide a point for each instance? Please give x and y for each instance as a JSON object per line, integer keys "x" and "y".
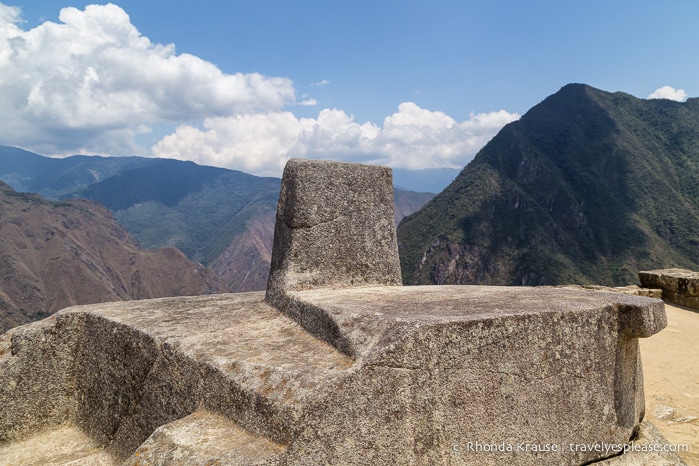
{"x": 679, "y": 286}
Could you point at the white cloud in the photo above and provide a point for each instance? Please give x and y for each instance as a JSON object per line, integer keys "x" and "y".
{"x": 91, "y": 82}
{"x": 412, "y": 137}
{"x": 667, "y": 92}
{"x": 10, "y": 15}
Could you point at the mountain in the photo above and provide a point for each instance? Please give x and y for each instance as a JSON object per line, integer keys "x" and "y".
{"x": 221, "y": 218}
{"x": 57, "y": 254}
{"x": 54, "y": 178}
{"x": 194, "y": 208}
{"x": 587, "y": 187}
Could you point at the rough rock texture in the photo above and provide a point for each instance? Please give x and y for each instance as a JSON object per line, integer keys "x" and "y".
{"x": 335, "y": 228}
{"x": 205, "y": 438}
{"x": 634, "y": 290}
{"x": 337, "y": 373}
{"x": 679, "y": 286}
{"x": 643, "y": 450}
{"x": 118, "y": 371}
{"x": 433, "y": 367}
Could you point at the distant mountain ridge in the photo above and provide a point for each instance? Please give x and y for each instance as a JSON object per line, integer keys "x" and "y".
{"x": 221, "y": 218}
{"x": 587, "y": 187}
{"x": 198, "y": 209}
{"x": 57, "y": 254}
{"x": 57, "y": 178}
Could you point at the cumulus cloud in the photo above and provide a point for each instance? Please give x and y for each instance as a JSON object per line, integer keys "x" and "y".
{"x": 10, "y": 14}
{"x": 92, "y": 81}
{"x": 667, "y": 92}
{"x": 412, "y": 137}
{"x": 308, "y": 102}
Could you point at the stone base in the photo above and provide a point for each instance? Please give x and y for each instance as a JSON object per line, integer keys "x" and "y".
{"x": 387, "y": 376}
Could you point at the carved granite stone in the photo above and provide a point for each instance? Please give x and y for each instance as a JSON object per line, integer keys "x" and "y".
{"x": 334, "y": 228}
{"x": 337, "y": 363}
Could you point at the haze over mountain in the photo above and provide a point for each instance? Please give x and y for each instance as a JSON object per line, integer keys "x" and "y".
{"x": 587, "y": 187}
{"x": 57, "y": 254}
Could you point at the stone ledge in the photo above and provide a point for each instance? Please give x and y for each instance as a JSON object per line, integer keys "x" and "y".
{"x": 633, "y": 290}
{"x": 680, "y": 286}
{"x": 204, "y": 437}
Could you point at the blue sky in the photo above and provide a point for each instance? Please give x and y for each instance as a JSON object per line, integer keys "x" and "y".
{"x": 248, "y": 84}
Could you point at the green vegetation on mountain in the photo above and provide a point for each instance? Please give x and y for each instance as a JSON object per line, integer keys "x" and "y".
{"x": 197, "y": 209}
{"x": 587, "y": 187}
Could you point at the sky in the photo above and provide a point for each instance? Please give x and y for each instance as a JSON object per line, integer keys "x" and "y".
{"x": 249, "y": 84}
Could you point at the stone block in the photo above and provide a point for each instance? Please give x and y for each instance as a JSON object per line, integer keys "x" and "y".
{"x": 680, "y": 286}
{"x": 337, "y": 363}
{"x": 334, "y": 228}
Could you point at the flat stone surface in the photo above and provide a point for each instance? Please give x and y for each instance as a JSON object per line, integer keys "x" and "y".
{"x": 260, "y": 352}
{"x": 65, "y": 445}
{"x": 360, "y": 315}
{"x": 230, "y": 332}
{"x": 204, "y": 438}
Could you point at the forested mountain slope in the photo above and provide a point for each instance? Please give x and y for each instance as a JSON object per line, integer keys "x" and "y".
{"x": 587, "y": 187}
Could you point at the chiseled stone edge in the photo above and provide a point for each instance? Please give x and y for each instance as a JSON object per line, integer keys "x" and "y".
{"x": 205, "y": 437}
{"x": 46, "y": 381}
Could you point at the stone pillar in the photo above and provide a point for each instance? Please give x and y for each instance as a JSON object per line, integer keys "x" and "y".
{"x": 334, "y": 228}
